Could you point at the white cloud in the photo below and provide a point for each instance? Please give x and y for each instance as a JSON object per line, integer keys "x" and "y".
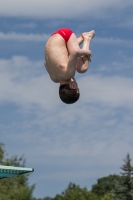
{"x": 24, "y": 37}
{"x": 29, "y": 25}
{"x": 19, "y": 83}
{"x": 58, "y": 8}
{"x": 112, "y": 90}
{"x": 114, "y": 41}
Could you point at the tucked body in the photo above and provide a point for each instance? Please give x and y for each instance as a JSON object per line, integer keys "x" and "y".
{"x": 63, "y": 57}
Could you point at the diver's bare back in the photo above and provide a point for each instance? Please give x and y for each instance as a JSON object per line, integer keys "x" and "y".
{"x": 56, "y": 57}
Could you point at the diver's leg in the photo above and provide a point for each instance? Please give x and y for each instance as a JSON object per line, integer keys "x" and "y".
{"x": 83, "y": 61}
{"x": 87, "y": 36}
{"x": 74, "y": 51}
{"x": 80, "y": 39}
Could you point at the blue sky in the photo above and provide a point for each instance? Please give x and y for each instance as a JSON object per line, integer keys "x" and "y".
{"x": 81, "y": 142}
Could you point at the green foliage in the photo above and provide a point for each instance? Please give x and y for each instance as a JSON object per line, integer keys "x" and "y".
{"x": 105, "y": 185}
{"x": 1, "y": 152}
{"x": 109, "y": 196}
{"x": 74, "y": 192}
{"x": 45, "y": 198}
{"x": 124, "y": 187}
{"x": 113, "y": 187}
{"x": 15, "y": 188}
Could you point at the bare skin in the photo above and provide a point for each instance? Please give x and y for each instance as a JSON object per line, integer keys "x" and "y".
{"x": 63, "y": 60}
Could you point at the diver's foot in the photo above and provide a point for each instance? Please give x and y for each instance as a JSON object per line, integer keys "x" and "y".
{"x": 88, "y": 35}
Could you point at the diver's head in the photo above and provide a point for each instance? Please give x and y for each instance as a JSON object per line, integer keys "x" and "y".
{"x": 67, "y": 94}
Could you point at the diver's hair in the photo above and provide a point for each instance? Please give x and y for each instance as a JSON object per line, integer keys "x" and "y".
{"x": 68, "y": 95}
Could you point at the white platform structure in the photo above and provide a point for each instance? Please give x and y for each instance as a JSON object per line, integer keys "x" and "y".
{"x": 10, "y": 171}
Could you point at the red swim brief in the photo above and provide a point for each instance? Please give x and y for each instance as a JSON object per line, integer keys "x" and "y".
{"x": 65, "y": 33}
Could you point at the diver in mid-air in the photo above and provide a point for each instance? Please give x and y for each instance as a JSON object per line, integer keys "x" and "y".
{"x": 63, "y": 57}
